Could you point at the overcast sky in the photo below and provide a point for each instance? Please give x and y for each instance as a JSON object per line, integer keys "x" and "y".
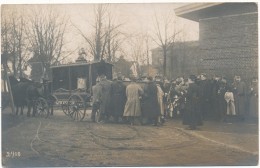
{"x": 137, "y": 18}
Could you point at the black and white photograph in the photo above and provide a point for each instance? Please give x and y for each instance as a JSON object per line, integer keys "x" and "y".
{"x": 129, "y": 84}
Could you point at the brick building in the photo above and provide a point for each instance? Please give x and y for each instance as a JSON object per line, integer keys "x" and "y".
{"x": 181, "y": 59}
{"x": 228, "y": 37}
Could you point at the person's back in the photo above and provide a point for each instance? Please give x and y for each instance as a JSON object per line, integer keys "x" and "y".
{"x": 118, "y": 88}
{"x": 105, "y": 106}
{"x": 150, "y": 105}
{"x": 96, "y": 99}
{"x": 96, "y": 90}
{"x": 118, "y": 91}
{"x": 132, "y": 91}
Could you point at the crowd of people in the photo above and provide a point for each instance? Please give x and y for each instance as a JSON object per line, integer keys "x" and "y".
{"x": 193, "y": 99}
{"x": 130, "y": 102}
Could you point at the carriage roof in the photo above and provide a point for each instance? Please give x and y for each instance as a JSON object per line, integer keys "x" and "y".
{"x": 79, "y": 64}
{"x": 67, "y": 76}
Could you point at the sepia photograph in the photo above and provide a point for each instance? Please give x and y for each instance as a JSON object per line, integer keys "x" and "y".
{"x": 129, "y": 84}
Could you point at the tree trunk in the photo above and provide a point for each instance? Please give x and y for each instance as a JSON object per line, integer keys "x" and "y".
{"x": 164, "y": 61}
{"x": 14, "y": 63}
{"x": 20, "y": 60}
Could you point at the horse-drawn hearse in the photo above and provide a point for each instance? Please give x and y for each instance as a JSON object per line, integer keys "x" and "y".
{"x": 72, "y": 85}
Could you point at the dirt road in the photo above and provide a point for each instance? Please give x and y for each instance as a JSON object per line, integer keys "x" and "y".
{"x": 58, "y": 141}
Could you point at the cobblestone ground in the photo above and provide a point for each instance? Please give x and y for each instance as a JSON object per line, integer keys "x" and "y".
{"x": 59, "y": 141}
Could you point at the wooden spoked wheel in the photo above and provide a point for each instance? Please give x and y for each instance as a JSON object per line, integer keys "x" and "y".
{"x": 41, "y": 108}
{"x": 76, "y": 107}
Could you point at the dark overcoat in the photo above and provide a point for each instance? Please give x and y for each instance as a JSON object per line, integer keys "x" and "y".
{"x": 204, "y": 97}
{"x": 253, "y": 100}
{"x": 192, "y": 115}
{"x": 106, "y": 105}
{"x": 239, "y": 90}
{"x": 118, "y": 91}
{"x": 150, "y": 105}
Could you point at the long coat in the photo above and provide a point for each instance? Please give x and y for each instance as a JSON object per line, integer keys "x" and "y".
{"x": 222, "y": 104}
{"x": 204, "y": 97}
{"x": 192, "y": 115}
{"x": 253, "y": 100}
{"x": 239, "y": 90}
{"x": 150, "y": 105}
{"x": 160, "y": 95}
{"x": 105, "y": 106}
{"x": 133, "y": 94}
{"x": 118, "y": 98}
{"x": 97, "y": 93}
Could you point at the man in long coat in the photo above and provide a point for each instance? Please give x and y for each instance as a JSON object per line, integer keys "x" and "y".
{"x": 192, "y": 115}
{"x": 222, "y": 105}
{"x": 133, "y": 106}
{"x": 204, "y": 95}
{"x": 160, "y": 95}
{"x": 253, "y": 98}
{"x": 97, "y": 93}
{"x": 216, "y": 111}
{"x": 106, "y": 105}
{"x": 150, "y": 105}
{"x": 118, "y": 98}
{"x": 239, "y": 90}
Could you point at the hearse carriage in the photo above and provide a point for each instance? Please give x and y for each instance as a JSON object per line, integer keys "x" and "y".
{"x": 72, "y": 85}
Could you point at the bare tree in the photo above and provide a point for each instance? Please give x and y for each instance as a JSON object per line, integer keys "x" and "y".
{"x": 14, "y": 39}
{"x": 46, "y": 35}
{"x": 115, "y": 37}
{"x": 5, "y": 32}
{"x": 138, "y": 45}
{"x": 98, "y": 39}
{"x": 105, "y": 40}
{"x": 165, "y": 34}
{"x": 18, "y": 25}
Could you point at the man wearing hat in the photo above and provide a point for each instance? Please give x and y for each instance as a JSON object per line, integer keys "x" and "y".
{"x": 96, "y": 99}
{"x": 239, "y": 90}
{"x": 150, "y": 106}
{"x": 222, "y": 105}
{"x": 253, "y": 98}
{"x": 204, "y": 95}
{"x": 118, "y": 98}
{"x": 133, "y": 106}
{"x": 192, "y": 115}
{"x": 106, "y": 105}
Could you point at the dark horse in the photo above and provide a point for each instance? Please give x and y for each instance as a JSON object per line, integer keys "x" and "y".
{"x": 18, "y": 92}
{"x": 40, "y": 90}
{"x": 24, "y": 93}
{"x": 33, "y": 92}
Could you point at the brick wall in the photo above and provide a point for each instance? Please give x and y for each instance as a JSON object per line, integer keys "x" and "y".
{"x": 229, "y": 45}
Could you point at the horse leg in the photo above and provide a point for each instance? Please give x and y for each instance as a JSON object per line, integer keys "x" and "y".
{"x": 22, "y": 109}
{"x": 52, "y": 109}
{"x": 17, "y": 109}
{"x": 29, "y": 110}
{"x": 34, "y": 110}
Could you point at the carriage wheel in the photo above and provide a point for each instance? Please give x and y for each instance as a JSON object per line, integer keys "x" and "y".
{"x": 76, "y": 108}
{"x": 41, "y": 108}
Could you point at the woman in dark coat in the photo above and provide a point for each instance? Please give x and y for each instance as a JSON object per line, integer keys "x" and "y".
{"x": 192, "y": 115}
{"x": 150, "y": 105}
